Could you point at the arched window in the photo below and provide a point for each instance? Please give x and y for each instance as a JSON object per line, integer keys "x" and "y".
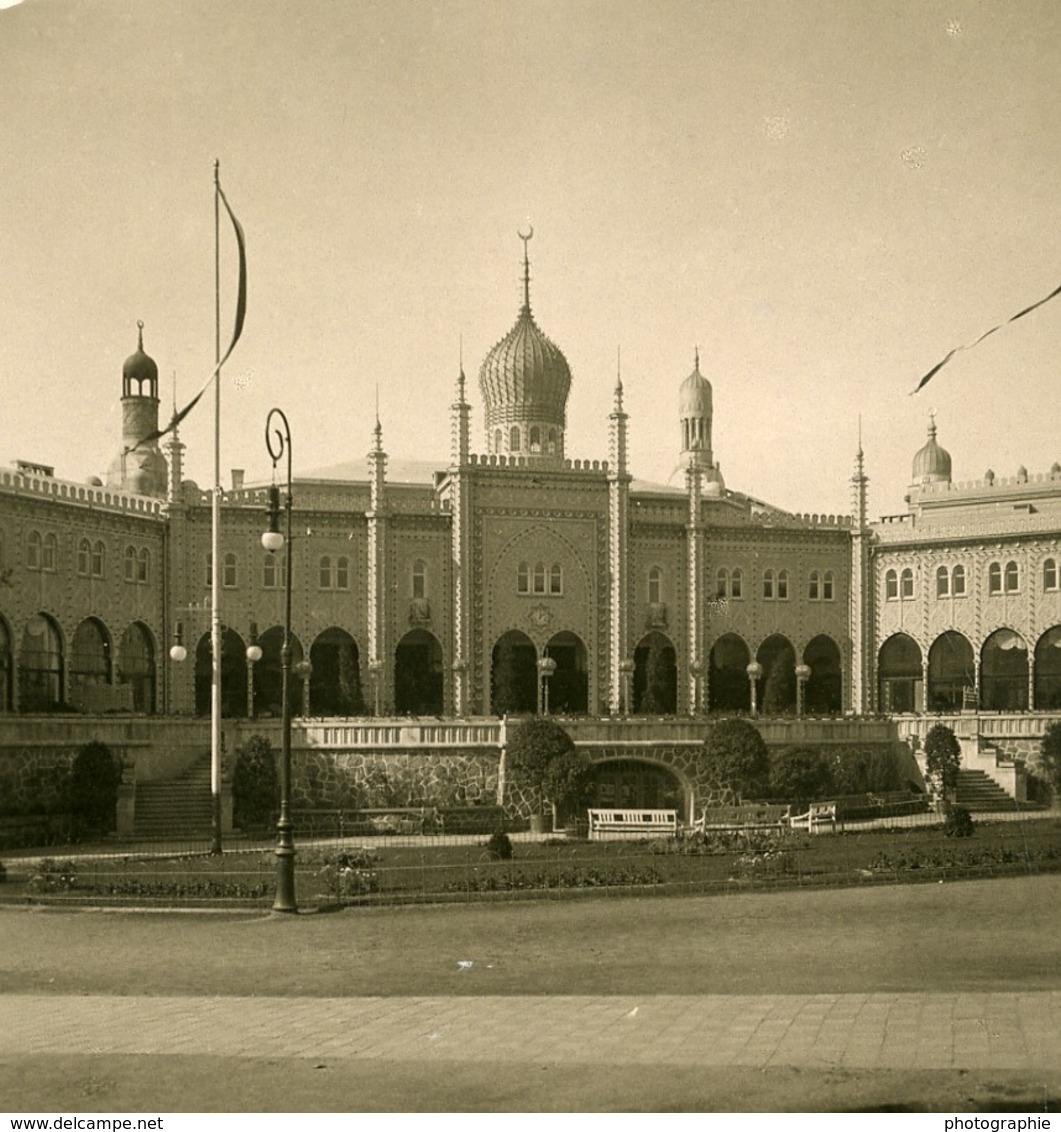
{"x": 942, "y": 582}
{"x": 419, "y": 579}
{"x": 84, "y": 557}
{"x": 891, "y": 585}
{"x": 513, "y": 438}
{"x": 269, "y": 571}
{"x": 552, "y": 440}
{"x": 498, "y": 439}
{"x": 994, "y": 578}
{"x": 735, "y": 582}
{"x": 535, "y": 440}
{"x": 33, "y": 550}
{"x": 50, "y": 555}
{"x": 827, "y": 586}
{"x": 556, "y": 579}
{"x": 130, "y": 564}
{"x": 1012, "y": 577}
{"x": 539, "y": 577}
{"x": 722, "y": 583}
{"x": 655, "y": 585}
{"x": 814, "y": 588}
{"x": 523, "y": 578}
{"x": 342, "y": 573}
{"x": 326, "y": 572}
{"x": 228, "y": 579}
{"x": 907, "y": 582}
{"x": 1050, "y": 574}
{"x": 782, "y": 585}
{"x": 98, "y": 556}
{"x": 768, "y": 584}
{"x": 143, "y": 566}
{"x": 957, "y": 581}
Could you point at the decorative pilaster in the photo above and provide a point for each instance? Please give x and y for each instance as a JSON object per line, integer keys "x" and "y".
{"x": 460, "y": 533}
{"x": 694, "y": 538}
{"x": 377, "y": 566}
{"x": 862, "y": 595}
{"x": 618, "y": 533}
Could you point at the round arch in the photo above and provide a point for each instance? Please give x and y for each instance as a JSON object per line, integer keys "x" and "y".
{"x": 569, "y": 683}
{"x": 418, "y": 675}
{"x": 136, "y": 666}
{"x": 514, "y": 674}
{"x": 655, "y": 689}
{"x": 728, "y": 687}
{"x": 91, "y": 660}
{"x": 40, "y": 670}
{"x": 233, "y": 675}
{"x": 951, "y": 670}
{"x": 633, "y": 784}
{"x": 1048, "y": 670}
{"x": 778, "y": 689}
{"x": 900, "y": 676}
{"x": 824, "y": 693}
{"x": 335, "y": 674}
{"x": 1004, "y": 672}
{"x": 269, "y": 675}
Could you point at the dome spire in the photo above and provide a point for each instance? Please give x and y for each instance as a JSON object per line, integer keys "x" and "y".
{"x": 526, "y": 265}
{"x": 140, "y": 334}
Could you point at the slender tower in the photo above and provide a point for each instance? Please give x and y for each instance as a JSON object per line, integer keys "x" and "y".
{"x": 140, "y": 467}
{"x": 618, "y": 533}
{"x": 861, "y": 590}
{"x": 460, "y": 533}
{"x": 377, "y": 566}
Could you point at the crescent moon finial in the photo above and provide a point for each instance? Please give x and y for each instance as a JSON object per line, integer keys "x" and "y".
{"x": 529, "y": 235}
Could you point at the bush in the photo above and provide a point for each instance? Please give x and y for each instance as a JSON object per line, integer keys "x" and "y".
{"x": 959, "y": 822}
{"x": 93, "y": 790}
{"x": 500, "y": 847}
{"x": 800, "y": 775}
{"x": 533, "y": 748}
{"x": 569, "y": 780}
{"x": 738, "y": 756}
{"x": 1050, "y": 755}
{"x": 871, "y": 771}
{"x": 255, "y": 786}
{"x": 943, "y": 759}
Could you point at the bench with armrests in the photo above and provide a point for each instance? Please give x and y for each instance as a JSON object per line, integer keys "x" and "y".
{"x": 818, "y": 815}
{"x": 607, "y": 824}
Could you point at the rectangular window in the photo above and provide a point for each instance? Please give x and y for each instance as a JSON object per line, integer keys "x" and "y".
{"x": 342, "y": 574}
{"x": 827, "y": 588}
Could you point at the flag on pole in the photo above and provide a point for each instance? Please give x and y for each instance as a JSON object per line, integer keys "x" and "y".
{"x": 987, "y": 334}
{"x": 237, "y": 329}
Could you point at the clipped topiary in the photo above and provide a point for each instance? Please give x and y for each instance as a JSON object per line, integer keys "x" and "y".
{"x": 500, "y": 847}
{"x": 530, "y": 751}
{"x": 738, "y": 757}
{"x": 959, "y": 822}
{"x": 93, "y": 790}
{"x": 943, "y": 759}
{"x": 255, "y": 784}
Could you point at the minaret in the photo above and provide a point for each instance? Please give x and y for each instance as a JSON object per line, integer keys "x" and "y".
{"x": 861, "y": 591}
{"x": 140, "y": 467}
{"x": 175, "y": 452}
{"x": 377, "y": 565}
{"x": 618, "y": 533}
{"x": 460, "y": 534}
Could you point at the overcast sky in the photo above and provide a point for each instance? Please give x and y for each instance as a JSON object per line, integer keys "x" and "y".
{"x": 825, "y": 197}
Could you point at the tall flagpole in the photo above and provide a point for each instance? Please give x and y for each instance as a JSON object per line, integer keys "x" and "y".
{"x": 215, "y": 543}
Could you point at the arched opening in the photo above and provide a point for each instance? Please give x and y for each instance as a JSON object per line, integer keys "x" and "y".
{"x": 269, "y": 675}
{"x": 40, "y": 672}
{"x": 569, "y": 683}
{"x": 418, "y": 682}
{"x": 899, "y": 674}
{"x": 951, "y": 671}
{"x": 137, "y": 668}
{"x": 233, "y": 675}
{"x": 655, "y": 676}
{"x": 90, "y": 663}
{"x": 335, "y": 676}
{"x": 777, "y": 693}
{"x": 1048, "y": 670}
{"x": 824, "y": 690}
{"x": 1004, "y": 672}
{"x": 631, "y": 784}
{"x": 728, "y": 687}
{"x": 6, "y": 668}
{"x": 514, "y": 674}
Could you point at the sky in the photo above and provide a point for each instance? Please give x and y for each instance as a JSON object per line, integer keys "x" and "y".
{"x": 825, "y": 198}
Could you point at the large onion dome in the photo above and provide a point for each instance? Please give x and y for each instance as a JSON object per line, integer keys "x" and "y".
{"x": 525, "y": 381}
{"x": 932, "y": 462}
{"x": 139, "y": 368}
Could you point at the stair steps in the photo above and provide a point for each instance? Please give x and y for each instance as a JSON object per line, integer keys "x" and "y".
{"x": 179, "y": 808}
{"x": 978, "y": 792}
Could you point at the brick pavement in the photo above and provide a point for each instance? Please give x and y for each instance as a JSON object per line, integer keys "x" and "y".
{"x": 962, "y": 1030}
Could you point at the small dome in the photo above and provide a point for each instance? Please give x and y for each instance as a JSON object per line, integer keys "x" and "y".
{"x": 139, "y": 367}
{"x": 932, "y": 462}
{"x": 94, "y": 481}
{"x": 694, "y": 396}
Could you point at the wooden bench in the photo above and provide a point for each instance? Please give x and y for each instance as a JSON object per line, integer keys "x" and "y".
{"x": 604, "y": 824}
{"x": 818, "y": 814}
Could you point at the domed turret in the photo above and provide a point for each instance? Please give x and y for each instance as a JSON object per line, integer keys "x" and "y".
{"x": 932, "y": 462}
{"x": 140, "y": 368}
{"x": 139, "y": 467}
{"x": 525, "y": 381}
{"x": 695, "y": 411}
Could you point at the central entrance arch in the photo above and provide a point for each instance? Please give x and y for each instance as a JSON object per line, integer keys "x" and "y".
{"x": 569, "y": 684}
{"x": 635, "y": 784}
{"x": 418, "y": 674}
{"x": 655, "y": 676}
{"x": 514, "y": 674}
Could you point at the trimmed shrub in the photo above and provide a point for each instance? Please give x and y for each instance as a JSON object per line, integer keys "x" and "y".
{"x": 533, "y": 747}
{"x": 93, "y": 790}
{"x": 872, "y": 771}
{"x": 1050, "y": 755}
{"x": 569, "y": 780}
{"x": 255, "y": 784}
{"x": 800, "y": 775}
{"x": 959, "y": 822}
{"x": 943, "y": 759}
{"x": 739, "y": 757}
{"x": 500, "y": 847}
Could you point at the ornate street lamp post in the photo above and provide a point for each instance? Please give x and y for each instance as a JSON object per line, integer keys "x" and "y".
{"x": 278, "y": 442}
{"x": 755, "y": 671}
{"x": 802, "y": 676}
{"x": 546, "y": 667}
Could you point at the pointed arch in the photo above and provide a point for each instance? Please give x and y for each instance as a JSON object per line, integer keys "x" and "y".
{"x": 40, "y": 670}
{"x": 513, "y": 674}
{"x": 418, "y": 674}
{"x": 335, "y": 676}
{"x": 137, "y": 666}
{"x": 900, "y": 676}
{"x": 90, "y": 656}
{"x": 778, "y": 657}
{"x": 1048, "y": 670}
{"x": 951, "y": 671}
{"x": 1004, "y": 672}
{"x": 569, "y": 683}
{"x": 233, "y": 675}
{"x": 269, "y": 675}
{"x": 824, "y": 693}
{"x": 728, "y": 687}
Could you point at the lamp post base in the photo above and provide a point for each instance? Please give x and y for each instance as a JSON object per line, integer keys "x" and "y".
{"x": 284, "y": 900}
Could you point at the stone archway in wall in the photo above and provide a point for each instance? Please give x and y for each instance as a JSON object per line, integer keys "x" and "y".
{"x": 418, "y": 677}
{"x": 655, "y": 676}
{"x": 1048, "y": 670}
{"x": 514, "y": 674}
{"x": 638, "y": 784}
{"x": 569, "y": 683}
{"x": 728, "y": 687}
{"x": 1004, "y": 672}
{"x": 824, "y": 691}
{"x": 899, "y": 675}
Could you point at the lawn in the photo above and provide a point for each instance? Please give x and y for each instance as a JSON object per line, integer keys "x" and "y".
{"x": 375, "y": 872}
